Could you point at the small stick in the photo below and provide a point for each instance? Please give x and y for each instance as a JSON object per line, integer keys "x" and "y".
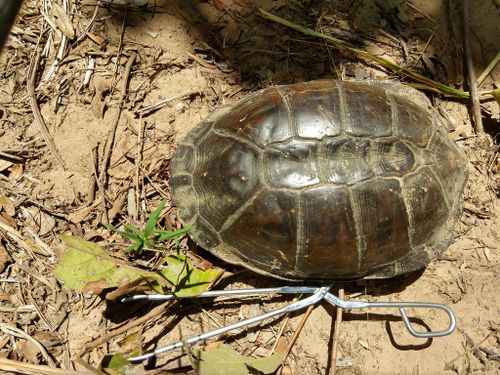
{"x": 138, "y": 161}
{"x": 153, "y": 313}
{"x": 28, "y": 368}
{"x": 296, "y": 335}
{"x": 380, "y": 60}
{"x": 151, "y": 108}
{"x": 36, "y": 110}
{"x": 89, "y": 25}
{"x": 156, "y": 311}
{"x": 7, "y": 155}
{"x": 420, "y": 56}
{"x": 471, "y": 344}
{"x": 10, "y": 330}
{"x": 488, "y": 70}
{"x": 111, "y": 136}
{"x": 336, "y": 335}
{"x": 476, "y": 109}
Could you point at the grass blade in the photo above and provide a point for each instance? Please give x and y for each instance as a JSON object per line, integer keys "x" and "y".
{"x": 135, "y": 247}
{"x": 154, "y": 218}
{"x": 134, "y": 230}
{"x": 380, "y": 60}
{"x": 122, "y": 233}
{"x": 166, "y": 234}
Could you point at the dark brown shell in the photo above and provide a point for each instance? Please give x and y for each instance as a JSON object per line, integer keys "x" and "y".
{"x": 322, "y": 180}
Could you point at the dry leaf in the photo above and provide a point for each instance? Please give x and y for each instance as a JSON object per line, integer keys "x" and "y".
{"x": 119, "y": 175}
{"x": 95, "y": 38}
{"x": 62, "y": 20}
{"x": 98, "y": 105}
{"x": 39, "y": 221}
{"x": 7, "y": 219}
{"x": 16, "y": 171}
{"x": 4, "y": 341}
{"x": 28, "y": 350}
{"x": 80, "y": 215}
{"x": 5, "y": 164}
{"x": 231, "y": 33}
{"x": 7, "y": 205}
{"x": 5, "y": 258}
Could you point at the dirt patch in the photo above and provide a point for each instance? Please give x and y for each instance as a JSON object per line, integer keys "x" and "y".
{"x": 193, "y": 57}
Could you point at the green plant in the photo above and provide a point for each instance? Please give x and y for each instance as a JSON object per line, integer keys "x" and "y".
{"x": 151, "y": 236}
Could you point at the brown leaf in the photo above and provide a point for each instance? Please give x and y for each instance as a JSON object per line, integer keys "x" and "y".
{"x": 39, "y": 221}
{"x": 4, "y": 341}
{"x": 28, "y": 350}
{"x": 80, "y": 215}
{"x": 7, "y": 219}
{"x": 62, "y": 20}
{"x": 7, "y": 205}
{"x": 117, "y": 206}
{"x": 5, "y": 164}
{"x": 231, "y": 32}
{"x": 199, "y": 262}
{"x": 5, "y": 258}
{"x": 95, "y": 287}
{"x": 98, "y": 105}
{"x": 16, "y": 171}
{"x": 95, "y": 38}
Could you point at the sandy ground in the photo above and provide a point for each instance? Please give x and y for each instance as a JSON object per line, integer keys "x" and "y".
{"x": 193, "y": 57}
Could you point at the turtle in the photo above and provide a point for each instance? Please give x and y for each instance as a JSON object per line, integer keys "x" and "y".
{"x": 322, "y": 180}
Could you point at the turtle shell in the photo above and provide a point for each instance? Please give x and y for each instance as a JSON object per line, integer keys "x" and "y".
{"x": 322, "y": 180}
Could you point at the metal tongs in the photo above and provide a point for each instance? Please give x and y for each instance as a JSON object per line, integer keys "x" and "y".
{"x": 318, "y": 294}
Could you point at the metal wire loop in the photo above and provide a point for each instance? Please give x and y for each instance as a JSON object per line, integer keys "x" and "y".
{"x": 318, "y": 294}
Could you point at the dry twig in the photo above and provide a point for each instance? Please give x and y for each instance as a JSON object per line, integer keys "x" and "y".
{"x": 36, "y": 110}
{"x": 27, "y": 368}
{"x": 111, "y": 136}
{"x": 476, "y": 108}
{"x": 16, "y": 332}
{"x": 296, "y": 335}
{"x": 158, "y": 310}
{"x": 138, "y": 161}
{"x": 336, "y": 335}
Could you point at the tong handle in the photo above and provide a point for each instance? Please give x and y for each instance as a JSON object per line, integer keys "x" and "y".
{"x": 317, "y": 296}
{"x": 429, "y": 334}
{"x": 351, "y": 305}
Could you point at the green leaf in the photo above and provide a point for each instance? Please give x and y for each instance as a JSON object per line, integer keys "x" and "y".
{"x": 187, "y": 279}
{"x": 117, "y": 363}
{"x": 153, "y": 219}
{"x": 135, "y": 247}
{"x": 137, "y": 231}
{"x": 167, "y": 234}
{"x": 224, "y": 360}
{"x": 122, "y": 233}
{"x": 496, "y": 95}
{"x": 85, "y": 267}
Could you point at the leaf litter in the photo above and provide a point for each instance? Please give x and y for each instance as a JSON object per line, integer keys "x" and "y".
{"x": 216, "y": 52}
